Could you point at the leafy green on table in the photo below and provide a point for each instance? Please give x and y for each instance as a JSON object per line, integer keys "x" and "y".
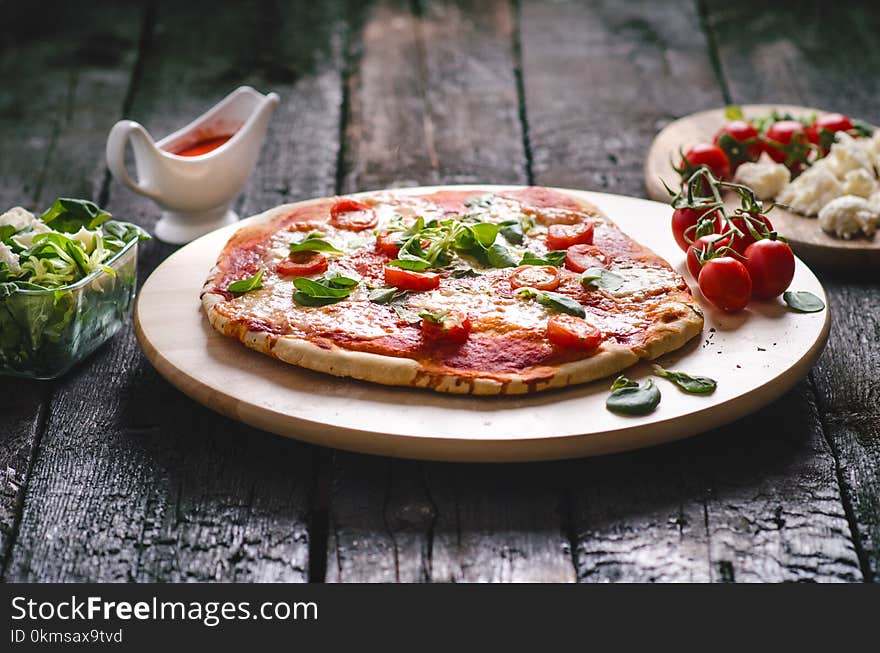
{"x": 553, "y": 300}
{"x": 803, "y": 301}
{"x": 246, "y": 285}
{"x": 696, "y": 385}
{"x": 602, "y": 279}
{"x": 630, "y": 397}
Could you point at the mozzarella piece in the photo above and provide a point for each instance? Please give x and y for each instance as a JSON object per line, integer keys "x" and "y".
{"x": 859, "y": 182}
{"x": 86, "y": 237}
{"x": 641, "y": 282}
{"x": 18, "y": 218}
{"x": 811, "y": 191}
{"x": 848, "y": 217}
{"x": 765, "y": 178}
{"x": 26, "y": 238}
{"x": 10, "y": 258}
{"x": 846, "y": 154}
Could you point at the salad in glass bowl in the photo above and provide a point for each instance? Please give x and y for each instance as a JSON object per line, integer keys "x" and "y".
{"x": 67, "y": 283}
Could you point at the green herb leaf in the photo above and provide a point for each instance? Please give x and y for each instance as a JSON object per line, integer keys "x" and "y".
{"x": 304, "y": 299}
{"x": 407, "y": 315}
{"x": 246, "y": 285}
{"x": 479, "y": 201}
{"x": 336, "y": 280}
{"x": 464, "y": 273}
{"x": 631, "y": 398}
{"x": 320, "y": 292}
{"x": 499, "y": 256}
{"x": 413, "y": 264}
{"x": 435, "y": 317}
{"x": 553, "y": 300}
{"x": 512, "y": 231}
{"x": 386, "y": 295}
{"x": 556, "y": 258}
{"x": 313, "y": 245}
{"x": 734, "y": 112}
{"x": 602, "y": 279}
{"x": 803, "y": 301}
{"x": 484, "y": 233}
{"x": 695, "y": 385}
{"x": 69, "y": 215}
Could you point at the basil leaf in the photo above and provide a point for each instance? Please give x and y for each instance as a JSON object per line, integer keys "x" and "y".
{"x": 464, "y": 273}
{"x": 500, "y": 256}
{"x": 695, "y": 385}
{"x": 304, "y": 299}
{"x": 246, "y": 285}
{"x": 315, "y": 289}
{"x": 69, "y": 215}
{"x": 555, "y": 258}
{"x": 512, "y": 231}
{"x": 602, "y": 279}
{"x": 336, "y": 280}
{"x": 405, "y": 314}
{"x": 734, "y": 112}
{"x": 480, "y": 201}
{"x": 631, "y": 398}
{"x": 803, "y": 301}
{"x": 313, "y": 245}
{"x": 485, "y": 233}
{"x": 435, "y": 317}
{"x": 414, "y": 264}
{"x": 554, "y": 301}
{"x": 385, "y": 295}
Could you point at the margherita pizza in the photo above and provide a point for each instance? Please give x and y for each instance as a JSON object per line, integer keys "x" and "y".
{"x": 458, "y": 291}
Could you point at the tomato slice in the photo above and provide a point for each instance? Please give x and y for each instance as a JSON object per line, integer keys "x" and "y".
{"x": 409, "y": 280}
{"x": 302, "y": 264}
{"x": 583, "y": 257}
{"x": 542, "y": 277}
{"x": 352, "y": 215}
{"x": 452, "y": 327}
{"x": 563, "y": 236}
{"x": 387, "y": 243}
{"x": 573, "y": 332}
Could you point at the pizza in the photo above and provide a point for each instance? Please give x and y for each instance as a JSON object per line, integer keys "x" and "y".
{"x": 462, "y": 291}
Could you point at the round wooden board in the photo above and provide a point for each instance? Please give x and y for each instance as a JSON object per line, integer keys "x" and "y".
{"x": 804, "y": 234}
{"x": 755, "y": 356}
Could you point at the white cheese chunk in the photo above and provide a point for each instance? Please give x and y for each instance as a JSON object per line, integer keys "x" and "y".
{"x": 86, "y": 237}
{"x": 848, "y": 217}
{"x": 859, "y": 182}
{"x": 846, "y": 154}
{"x": 765, "y": 178}
{"x": 811, "y": 191}
{"x": 10, "y": 258}
{"x": 18, "y": 218}
{"x": 26, "y": 238}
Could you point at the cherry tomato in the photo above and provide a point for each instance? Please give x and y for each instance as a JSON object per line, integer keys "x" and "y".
{"x": 542, "y": 277}
{"x": 583, "y": 257}
{"x": 352, "y": 215}
{"x": 563, "y": 236}
{"x": 739, "y": 243}
{"x": 786, "y": 142}
{"x": 771, "y": 266}
{"x": 830, "y": 123}
{"x": 725, "y": 282}
{"x": 573, "y": 332}
{"x": 387, "y": 243}
{"x": 740, "y": 141}
{"x": 409, "y": 280}
{"x": 716, "y": 241}
{"x": 453, "y": 327}
{"x": 302, "y": 264}
{"x": 709, "y": 155}
{"x": 684, "y": 222}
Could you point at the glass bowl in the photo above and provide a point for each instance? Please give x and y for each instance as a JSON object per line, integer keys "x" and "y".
{"x": 43, "y": 333}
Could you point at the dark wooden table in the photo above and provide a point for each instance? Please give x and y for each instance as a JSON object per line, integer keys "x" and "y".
{"x": 110, "y": 474}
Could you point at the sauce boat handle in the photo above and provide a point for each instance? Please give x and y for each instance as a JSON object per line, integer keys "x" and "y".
{"x": 117, "y": 141}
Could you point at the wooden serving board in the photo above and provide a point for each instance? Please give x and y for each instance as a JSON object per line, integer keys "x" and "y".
{"x": 804, "y": 234}
{"x": 755, "y": 356}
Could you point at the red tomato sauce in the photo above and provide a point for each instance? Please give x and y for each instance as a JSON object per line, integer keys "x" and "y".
{"x": 203, "y": 146}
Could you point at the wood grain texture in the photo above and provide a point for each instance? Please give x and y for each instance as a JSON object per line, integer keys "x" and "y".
{"x": 829, "y": 57}
{"x": 140, "y": 483}
{"x": 694, "y": 511}
{"x": 433, "y": 99}
{"x": 53, "y": 97}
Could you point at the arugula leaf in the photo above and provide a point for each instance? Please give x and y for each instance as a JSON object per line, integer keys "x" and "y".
{"x": 314, "y": 245}
{"x": 696, "y": 385}
{"x": 602, "y": 279}
{"x": 69, "y": 215}
{"x": 246, "y": 285}
{"x": 553, "y": 300}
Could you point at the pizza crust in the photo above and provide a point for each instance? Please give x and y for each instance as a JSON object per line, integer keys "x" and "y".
{"x": 328, "y": 358}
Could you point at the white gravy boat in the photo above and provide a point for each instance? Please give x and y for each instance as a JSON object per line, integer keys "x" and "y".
{"x": 195, "y": 191}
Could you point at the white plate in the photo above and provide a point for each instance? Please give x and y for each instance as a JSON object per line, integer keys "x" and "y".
{"x": 755, "y": 356}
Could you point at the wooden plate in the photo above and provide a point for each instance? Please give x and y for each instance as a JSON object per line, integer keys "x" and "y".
{"x": 755, "y": 356}
{"x": 804, "y": 234}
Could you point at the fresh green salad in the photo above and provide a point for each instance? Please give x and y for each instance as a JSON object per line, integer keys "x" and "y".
{"x": 67, "y": 281}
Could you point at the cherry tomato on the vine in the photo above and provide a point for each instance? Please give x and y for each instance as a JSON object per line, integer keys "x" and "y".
{"x": 700, "y": 246}
{"x": 771, "y": 267}
{"x": 725, "y": 282}
{"x": 760, "y": 223}
{"x": 709, "y": 155}
{"x": 684, "y": 224}
{"x": 786, "y": 142}
{"x": 822, "y": 131}
{"x": 740, "y": 141}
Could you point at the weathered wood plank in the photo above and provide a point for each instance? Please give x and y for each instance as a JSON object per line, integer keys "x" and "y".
{"x": 827, "y": 58}
{"x": 698, "y": 510}
{"x": 140, "y": 483}
{"x": 53, "y": 98}
{"x": 433, "y": 100}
